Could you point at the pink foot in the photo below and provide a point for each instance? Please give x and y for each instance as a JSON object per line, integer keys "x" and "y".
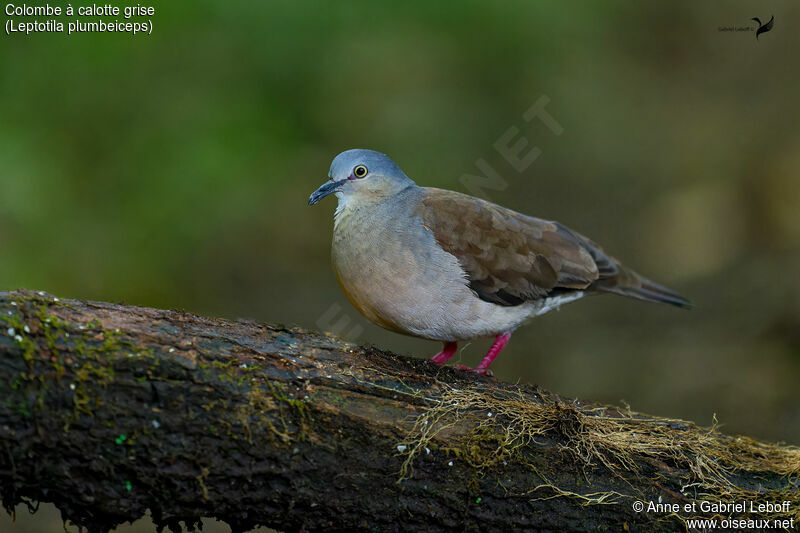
{"x": 446, "y": 353}
{"x": 499, "y": 343}
{"x": 483, "y": 368}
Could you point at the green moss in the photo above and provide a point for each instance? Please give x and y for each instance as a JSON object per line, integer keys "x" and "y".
{"x": 270, "y": 408}
{"x": 81, "y": 402}
{"x": 18, "y": 407}
{"x": 298, "y": 408}
{"x": 21, "y": 338}
{"x": 278, "y": 391}
{"x": 86, "y": 353}
{"x": 201, "y": 481}
{"x": 223, "y": 370}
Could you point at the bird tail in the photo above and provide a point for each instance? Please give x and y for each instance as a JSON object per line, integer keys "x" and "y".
{"x": 617, "y": 279}
{"x": 629, "y": 283}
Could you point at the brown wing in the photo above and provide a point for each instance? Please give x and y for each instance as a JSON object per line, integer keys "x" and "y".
{"x": 510, "y": 258}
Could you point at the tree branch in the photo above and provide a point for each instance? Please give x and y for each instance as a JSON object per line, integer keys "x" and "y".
{"x": 109, "y": 410}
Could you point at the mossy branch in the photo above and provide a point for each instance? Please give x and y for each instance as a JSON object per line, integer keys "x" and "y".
{"x": 109, "y": 410}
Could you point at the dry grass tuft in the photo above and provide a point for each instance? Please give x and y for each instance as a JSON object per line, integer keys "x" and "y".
{"x": 488, "y": 427}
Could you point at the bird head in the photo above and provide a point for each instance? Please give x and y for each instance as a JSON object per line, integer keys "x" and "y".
{"x": 363, "y": 175}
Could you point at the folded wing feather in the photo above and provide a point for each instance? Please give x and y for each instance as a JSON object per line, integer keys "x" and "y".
{"x": 510, "y": 258}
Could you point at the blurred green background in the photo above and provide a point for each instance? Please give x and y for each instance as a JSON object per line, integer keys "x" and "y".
{"x": 173, "y": 170}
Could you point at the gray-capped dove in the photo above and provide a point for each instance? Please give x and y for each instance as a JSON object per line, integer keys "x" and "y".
{"x": 449, "y": 267}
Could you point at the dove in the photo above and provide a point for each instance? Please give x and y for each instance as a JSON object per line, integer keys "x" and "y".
{"x": 449, "y": 267}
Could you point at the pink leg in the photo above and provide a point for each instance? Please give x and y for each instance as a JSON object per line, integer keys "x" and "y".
{"x": 446, "y": 353}
{"x": 499, "y": 343}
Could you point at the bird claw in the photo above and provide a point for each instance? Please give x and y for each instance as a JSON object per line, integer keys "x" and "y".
{"x": 483, "y": 371}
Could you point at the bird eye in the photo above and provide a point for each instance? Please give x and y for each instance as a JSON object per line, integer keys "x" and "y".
{"x": 360, "y": 171}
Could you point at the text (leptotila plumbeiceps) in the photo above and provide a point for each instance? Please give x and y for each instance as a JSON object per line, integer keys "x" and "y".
{"x": 446, "y": 266}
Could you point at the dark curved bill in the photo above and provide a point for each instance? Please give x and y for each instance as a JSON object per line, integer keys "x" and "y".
{"x": 329, "y": 187}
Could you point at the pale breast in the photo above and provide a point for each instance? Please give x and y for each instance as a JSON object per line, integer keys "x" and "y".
{"x": 388, "y": 268}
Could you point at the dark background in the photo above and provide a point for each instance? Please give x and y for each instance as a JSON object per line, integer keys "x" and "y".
{"x": 173, "y": 170}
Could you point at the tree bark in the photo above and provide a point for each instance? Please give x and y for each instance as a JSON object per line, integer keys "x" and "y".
{"x": 108, "y": 410}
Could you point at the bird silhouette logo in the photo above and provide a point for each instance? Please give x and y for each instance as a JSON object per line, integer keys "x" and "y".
{"x": 763, "y": 28}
